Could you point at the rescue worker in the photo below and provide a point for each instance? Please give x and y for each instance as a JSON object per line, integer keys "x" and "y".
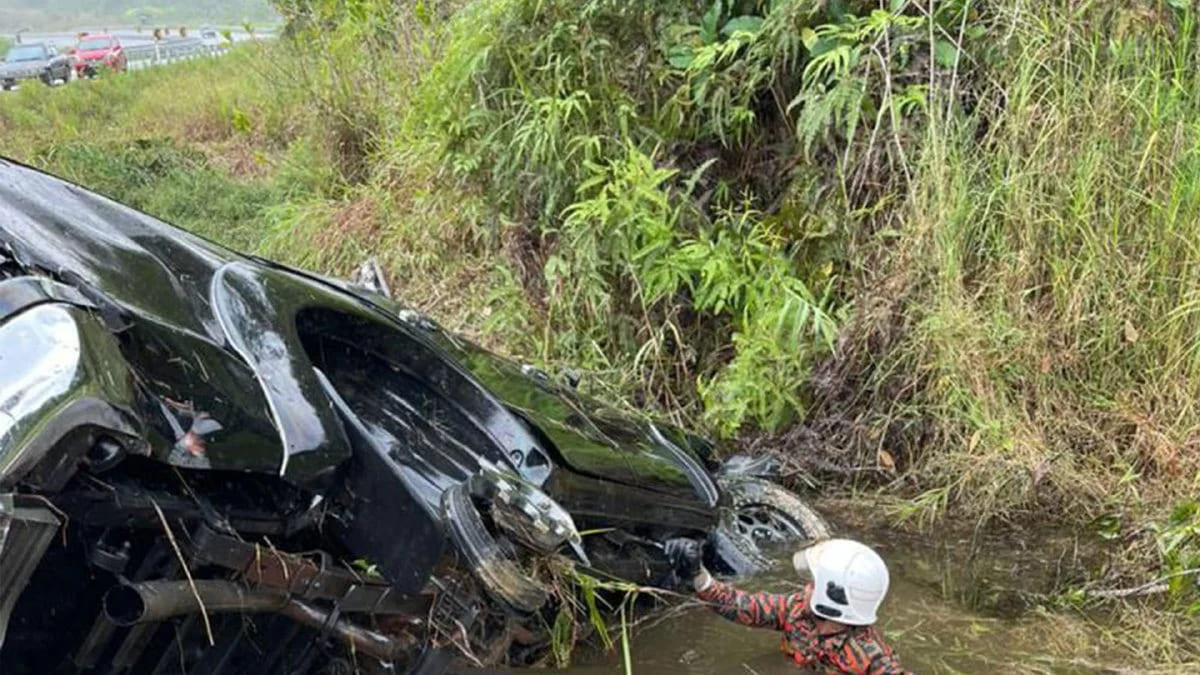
{"x": 827, "y": 624}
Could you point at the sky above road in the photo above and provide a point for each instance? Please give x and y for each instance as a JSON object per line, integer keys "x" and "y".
{"x": 46, "y": 15}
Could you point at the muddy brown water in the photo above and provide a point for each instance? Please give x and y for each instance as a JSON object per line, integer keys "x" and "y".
{"x": 956, "y": 605}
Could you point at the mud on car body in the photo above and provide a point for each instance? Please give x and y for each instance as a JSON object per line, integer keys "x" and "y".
{"x": 213, "y": 463}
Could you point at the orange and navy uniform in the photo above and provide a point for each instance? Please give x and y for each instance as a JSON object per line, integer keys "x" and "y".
{"x": 857, "y": 649}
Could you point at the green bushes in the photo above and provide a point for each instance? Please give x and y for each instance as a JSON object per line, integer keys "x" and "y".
{"x": 624, "y": 240}
{"x": 652, "y": 154}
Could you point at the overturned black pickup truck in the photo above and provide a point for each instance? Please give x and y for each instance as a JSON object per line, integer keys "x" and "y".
{"x": 213, "y": 463}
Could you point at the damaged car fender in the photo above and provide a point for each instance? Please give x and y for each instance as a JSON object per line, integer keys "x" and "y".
{"x": 255, "y": 310}
{"x": 287, "y": 326}
{"x": 63, "y": 387}
{"x": 586, "y": 436}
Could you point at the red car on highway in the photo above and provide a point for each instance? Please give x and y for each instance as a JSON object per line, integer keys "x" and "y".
{"x": 94, "y": 52}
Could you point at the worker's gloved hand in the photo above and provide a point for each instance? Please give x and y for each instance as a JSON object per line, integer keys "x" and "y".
{"x": 685, "y": 556}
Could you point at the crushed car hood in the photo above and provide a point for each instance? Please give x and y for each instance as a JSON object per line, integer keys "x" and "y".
{"x": 224, "y": 378}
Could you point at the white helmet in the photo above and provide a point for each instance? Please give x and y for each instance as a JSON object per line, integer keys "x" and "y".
{"x": 849, "y": 580}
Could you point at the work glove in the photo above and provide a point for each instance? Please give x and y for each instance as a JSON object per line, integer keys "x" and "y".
{"x": 685, "y": 556}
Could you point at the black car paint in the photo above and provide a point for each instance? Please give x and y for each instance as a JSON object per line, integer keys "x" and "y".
{"x": 67, "y": 383}
{"x": 213, "y": 338}
{"x": 238, "y": 393}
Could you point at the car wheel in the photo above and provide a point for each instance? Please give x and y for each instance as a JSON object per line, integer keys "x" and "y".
{"x": 760, "y": 514}
{"x": 494, "y": 566}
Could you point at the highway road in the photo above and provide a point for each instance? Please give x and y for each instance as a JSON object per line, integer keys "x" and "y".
{"x": 129, "y": 36}
{"x": 140, "y": 46}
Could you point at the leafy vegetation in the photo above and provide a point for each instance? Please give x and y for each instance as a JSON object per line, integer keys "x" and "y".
{"x": 656, "y": 176}
{"x": 942, "y": 249}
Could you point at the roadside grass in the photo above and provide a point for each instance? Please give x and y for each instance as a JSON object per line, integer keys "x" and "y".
{"x": 189, "y": 101}
{"x": 164, "y": 179}
{"x": 166, "y": 140}
{"x": 230, "y": 149}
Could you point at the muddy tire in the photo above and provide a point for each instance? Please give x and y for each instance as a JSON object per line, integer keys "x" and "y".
{"x": 494, "y": 567}
{"x": 760, "y": 513}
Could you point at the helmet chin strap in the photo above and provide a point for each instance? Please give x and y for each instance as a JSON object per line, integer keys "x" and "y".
{"x": 824, "y": 626}
{"x": 827, "y": 627}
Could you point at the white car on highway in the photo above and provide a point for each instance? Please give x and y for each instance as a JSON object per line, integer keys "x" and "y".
{"x": 212, "y": 39}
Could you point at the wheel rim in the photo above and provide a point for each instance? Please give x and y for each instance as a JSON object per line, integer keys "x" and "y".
{"x": 765, "y": 524}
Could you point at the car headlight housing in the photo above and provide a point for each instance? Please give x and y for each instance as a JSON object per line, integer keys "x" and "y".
{"x": 526, "y": 513}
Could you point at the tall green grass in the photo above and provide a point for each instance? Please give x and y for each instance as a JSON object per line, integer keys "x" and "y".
{"x": 1049, "y": 342}
{"x": 646, "y": 159}
{"x": 1051, "y": 270}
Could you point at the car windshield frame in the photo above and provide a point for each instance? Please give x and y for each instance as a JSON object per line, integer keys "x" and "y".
{"x": 94, "y": 44}
{"x": 14, "y": 53}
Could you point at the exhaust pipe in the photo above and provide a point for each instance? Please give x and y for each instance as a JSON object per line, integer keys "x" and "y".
{"x": 155, "y": 601}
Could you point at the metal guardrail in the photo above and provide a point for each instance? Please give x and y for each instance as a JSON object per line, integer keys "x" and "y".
{"x": 170, "y": 51}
